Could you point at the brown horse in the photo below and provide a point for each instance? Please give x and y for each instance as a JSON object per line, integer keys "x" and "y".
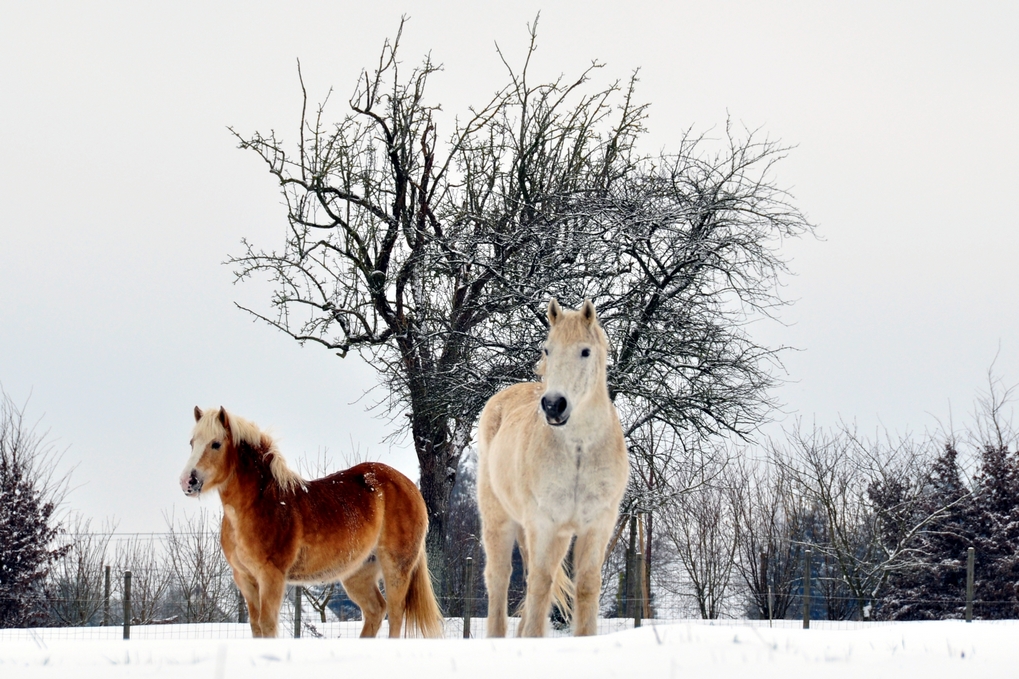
{"x": 356, "y": 527}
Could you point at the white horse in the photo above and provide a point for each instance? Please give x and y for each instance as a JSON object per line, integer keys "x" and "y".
{"x": 552, "y": 464}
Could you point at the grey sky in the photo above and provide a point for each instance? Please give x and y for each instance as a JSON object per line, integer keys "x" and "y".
{"x": 121, "y": 192}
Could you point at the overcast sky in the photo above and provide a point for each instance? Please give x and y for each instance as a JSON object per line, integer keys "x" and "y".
{"x": 122, "y": 192}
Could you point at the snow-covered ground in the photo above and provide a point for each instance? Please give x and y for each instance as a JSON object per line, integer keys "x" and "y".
{"x": 681, "y": 649}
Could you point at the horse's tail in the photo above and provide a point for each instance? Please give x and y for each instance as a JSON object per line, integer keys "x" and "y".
{"x": 423, "y": 613}
{"x": 563, "y": 594}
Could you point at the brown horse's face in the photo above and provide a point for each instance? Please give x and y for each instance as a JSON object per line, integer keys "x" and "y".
{"x": 209, "y": 441}
{"x": 573, "y": 364}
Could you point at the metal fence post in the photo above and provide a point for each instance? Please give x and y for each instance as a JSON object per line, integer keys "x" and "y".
{"x": 297, "y": 612}
{"x": 806, "y": 589}
{"x": 106, "y": 596}
{"x": 468, "y": 597}
{"x": 638, "y": 601}
{"x": 970, "y": 554}
{"x": 631, "y": 564}
{"x": 127, "y": 604}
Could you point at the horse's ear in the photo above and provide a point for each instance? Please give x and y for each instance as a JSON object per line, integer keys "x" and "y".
{"x": 223, "y": 419}
{"x": 554, "y": 311}
{"x": 588, "y": 312}
{"x": 198, "y": 413}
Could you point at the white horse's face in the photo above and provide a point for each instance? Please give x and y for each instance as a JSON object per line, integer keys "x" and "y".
{"x": 573, "y": 364}
{"x": 208, "y": 447}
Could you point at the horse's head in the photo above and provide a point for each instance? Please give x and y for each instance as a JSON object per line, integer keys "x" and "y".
{"x": 210, "y": 440}
{"x": 573, "y": 364}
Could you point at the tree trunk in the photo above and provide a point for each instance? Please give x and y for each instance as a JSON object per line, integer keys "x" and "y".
{"x": 438, "y": 463}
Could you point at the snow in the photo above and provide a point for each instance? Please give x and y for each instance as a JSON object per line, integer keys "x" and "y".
{"x": 681, "y": 649}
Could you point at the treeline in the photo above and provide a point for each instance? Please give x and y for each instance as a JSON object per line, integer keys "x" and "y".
{"x": 706, "y": 530}
{"x": 887, "y": 521}
{"x": 177, "y": 576}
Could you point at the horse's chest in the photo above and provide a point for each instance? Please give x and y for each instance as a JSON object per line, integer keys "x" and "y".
{"x": 577, "y": 485}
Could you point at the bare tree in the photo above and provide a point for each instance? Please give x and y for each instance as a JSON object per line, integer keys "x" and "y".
{"x": 319, "y": 596}
{"x": 405, "y": 252}
{"x": 770, "y": 519}
{"x": 152, "y": 574}
{"x": 202, "y": 581}
{"x": 76, "y": 583}
{"x": 434, "y": 259}
{"x": 702, "y": 527}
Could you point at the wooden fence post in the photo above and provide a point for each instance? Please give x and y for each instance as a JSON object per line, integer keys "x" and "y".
{"x": 970, "y": 554}
{"x": 127, "y": 604}
{"x": 468, "y": 596}
{"x": 297, "y": 612}
{"x": 806, "y": 589}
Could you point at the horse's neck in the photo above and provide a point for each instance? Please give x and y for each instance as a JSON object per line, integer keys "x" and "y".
{"x": 251, "y": 474}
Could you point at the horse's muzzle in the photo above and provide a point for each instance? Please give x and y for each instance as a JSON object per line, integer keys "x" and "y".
{"x": 556, "y": 409}
{"x": 192, "y": 483}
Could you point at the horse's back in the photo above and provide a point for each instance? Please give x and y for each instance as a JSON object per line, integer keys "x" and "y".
{"x": 368, "y": 488}
{"x": 511, "y": 407}
{"x": 354, "y": 510}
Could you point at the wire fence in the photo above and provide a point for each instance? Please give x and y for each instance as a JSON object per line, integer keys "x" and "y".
{"x": 178, "y": 586}
{"x": 342, "y": 620}
{"x": 452, "y": 629}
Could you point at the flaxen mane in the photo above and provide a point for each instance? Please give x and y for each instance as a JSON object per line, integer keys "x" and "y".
{"x": 244, "y": 432}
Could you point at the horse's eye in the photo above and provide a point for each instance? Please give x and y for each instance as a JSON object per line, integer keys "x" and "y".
{"x": 215, "y": 445}
{"x": 585, "y": 352}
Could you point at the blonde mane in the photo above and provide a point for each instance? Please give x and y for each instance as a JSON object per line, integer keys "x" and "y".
{"x": 246, "y": 431}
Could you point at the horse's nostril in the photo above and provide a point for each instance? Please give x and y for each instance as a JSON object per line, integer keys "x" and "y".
{"x": 560, "y": 405}
{"x": 194, "y": 483}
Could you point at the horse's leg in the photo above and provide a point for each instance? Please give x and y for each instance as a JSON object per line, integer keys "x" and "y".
{"x": 588, "y": 557}
{"x": 396, "y": 576}
{"x": 498, "y": 534}
{"x": 546, "y": 549}
{"x": 242, "y": 576}
{"x": 271, "y": 585}
{"x": 249, "y": 589}
{"x": 362, "y": 586}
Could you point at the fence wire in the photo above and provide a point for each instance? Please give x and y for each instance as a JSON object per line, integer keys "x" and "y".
{"x": 182, "y": 588}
